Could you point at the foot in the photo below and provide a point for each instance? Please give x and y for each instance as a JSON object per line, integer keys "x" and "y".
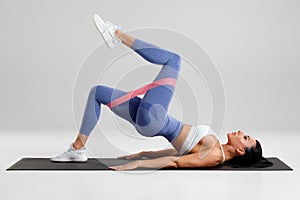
{"x": 107, "y": 31}
{"x": 71, "y": 155}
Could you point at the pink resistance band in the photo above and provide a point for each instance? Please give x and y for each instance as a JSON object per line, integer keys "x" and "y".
{"x": 141, "y": 90}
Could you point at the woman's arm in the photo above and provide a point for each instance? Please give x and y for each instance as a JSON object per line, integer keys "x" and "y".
{"x": 187, "y": 161}
{"x": 152, "y": 154}
{"x": 167, "y": 161}
{"x": 161, "y": 153}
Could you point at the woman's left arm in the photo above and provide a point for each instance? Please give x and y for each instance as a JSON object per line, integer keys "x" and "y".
{"x": 167, "y": 161}
{"x": 186, "y": 161}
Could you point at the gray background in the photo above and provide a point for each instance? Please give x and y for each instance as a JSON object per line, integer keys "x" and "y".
{"x": 254, "y": 44}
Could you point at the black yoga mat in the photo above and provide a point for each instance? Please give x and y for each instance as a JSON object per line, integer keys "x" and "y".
{"x": 103, "y": 163}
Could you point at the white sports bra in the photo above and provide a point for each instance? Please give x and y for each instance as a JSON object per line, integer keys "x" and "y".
{"x": 194, "y": 136}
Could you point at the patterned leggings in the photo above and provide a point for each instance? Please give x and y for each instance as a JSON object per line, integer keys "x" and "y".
{"x": 148, "y": 114}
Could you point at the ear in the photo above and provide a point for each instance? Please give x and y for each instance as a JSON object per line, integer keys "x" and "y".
{"x": 240, "y": 151}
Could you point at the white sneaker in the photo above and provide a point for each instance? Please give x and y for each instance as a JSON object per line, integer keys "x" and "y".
{"x": 107, "y": 31}
{"x": 71, "y": 155}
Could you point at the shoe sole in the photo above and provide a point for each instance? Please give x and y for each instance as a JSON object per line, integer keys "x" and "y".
{"x": 66, "y": 161}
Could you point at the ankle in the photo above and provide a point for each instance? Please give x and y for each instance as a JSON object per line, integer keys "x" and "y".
{"x": 76, "y": 146}
{"x": 118, "y": 32}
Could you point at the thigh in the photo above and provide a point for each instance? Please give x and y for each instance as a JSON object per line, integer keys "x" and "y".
{"x": 163, "y": 94}
{"x": 126, "y": 110}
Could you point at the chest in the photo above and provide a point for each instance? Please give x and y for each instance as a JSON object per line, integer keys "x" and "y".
{"x": 207, "y": 145}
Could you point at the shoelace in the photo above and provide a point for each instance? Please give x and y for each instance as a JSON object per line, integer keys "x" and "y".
{"x": 68, "y": 144}
{"x": 110, "y": 28}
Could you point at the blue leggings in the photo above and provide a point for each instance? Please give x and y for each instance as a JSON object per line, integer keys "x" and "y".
{"x": 148, "y": 114}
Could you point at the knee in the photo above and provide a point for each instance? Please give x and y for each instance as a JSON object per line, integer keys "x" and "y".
{"x": 93, "y": 90}
{"x": 96, "y": 89}
{"x": 175, "y": 61}
{"x": 176, "y": 57}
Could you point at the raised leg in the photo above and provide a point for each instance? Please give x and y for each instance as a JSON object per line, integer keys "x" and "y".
{"x": 152, "y": 117}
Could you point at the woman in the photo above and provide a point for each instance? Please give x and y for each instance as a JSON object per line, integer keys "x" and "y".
{"x": 194, "y": 146}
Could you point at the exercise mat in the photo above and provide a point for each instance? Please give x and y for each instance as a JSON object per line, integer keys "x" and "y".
{"x": 103, "y": 164}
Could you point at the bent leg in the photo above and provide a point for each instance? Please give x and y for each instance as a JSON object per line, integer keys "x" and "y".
{"x": 103, "y": 95}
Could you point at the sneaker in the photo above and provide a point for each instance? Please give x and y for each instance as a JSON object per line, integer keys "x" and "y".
{"x": 71, "y": 155}
{"x": 107, "y": 31}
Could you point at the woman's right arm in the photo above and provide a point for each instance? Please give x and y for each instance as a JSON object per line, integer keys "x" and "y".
{"x": 152, "y": 154}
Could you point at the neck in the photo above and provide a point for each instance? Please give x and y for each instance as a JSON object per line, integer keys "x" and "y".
{"x": 229, "y": 151}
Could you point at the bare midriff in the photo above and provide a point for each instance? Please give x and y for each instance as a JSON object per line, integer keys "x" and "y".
{"x": 178, "y": 142}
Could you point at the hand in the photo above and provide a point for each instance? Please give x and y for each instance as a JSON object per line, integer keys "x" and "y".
{"x": 132, "y": 156}
{"x": 128, "y": 166}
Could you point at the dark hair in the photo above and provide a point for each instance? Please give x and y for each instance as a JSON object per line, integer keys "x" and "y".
{"x": 252, "y": 157}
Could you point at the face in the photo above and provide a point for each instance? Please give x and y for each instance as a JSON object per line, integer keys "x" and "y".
{"x": 240, "y": 141}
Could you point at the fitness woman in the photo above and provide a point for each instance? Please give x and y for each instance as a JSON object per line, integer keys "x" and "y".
{"x": 194, "y": 146}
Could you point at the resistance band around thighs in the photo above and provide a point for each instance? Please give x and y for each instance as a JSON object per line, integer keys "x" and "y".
{"x": 141, "y": 90}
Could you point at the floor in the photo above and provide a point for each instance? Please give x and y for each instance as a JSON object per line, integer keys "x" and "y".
{"x": 156, "y": 185}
